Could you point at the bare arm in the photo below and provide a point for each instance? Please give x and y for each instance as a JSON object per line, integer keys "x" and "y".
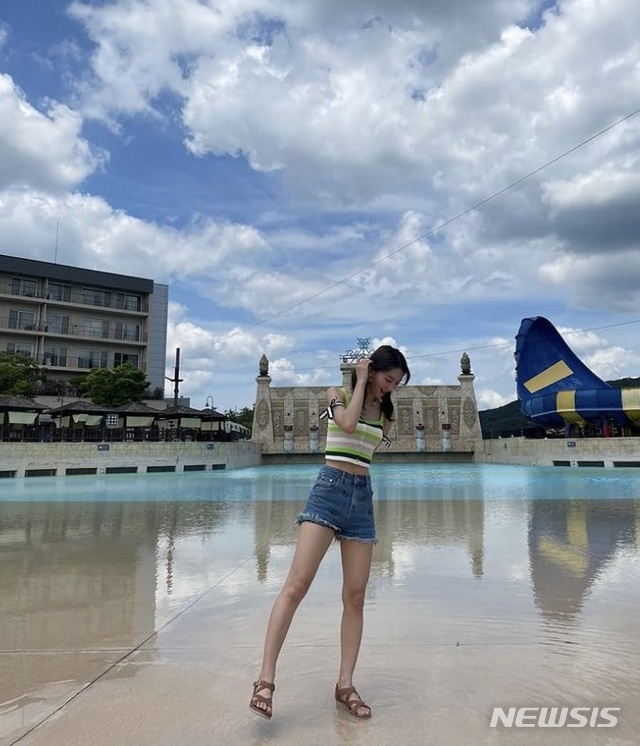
{"x": 347, "y": 417}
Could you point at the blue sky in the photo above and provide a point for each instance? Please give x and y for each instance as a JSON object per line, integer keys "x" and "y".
{"x": 282, "y": 165}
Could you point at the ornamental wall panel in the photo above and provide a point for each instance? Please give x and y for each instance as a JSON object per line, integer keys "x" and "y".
{"x": 298, "y": 408}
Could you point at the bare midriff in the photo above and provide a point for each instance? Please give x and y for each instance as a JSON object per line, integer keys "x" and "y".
{"x": 349, "y": 468}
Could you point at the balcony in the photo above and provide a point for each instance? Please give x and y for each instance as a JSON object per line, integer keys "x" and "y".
{"x": 69, "y": 363}
{"x": 76, "y": 297}
{"x": 74, "y": 331}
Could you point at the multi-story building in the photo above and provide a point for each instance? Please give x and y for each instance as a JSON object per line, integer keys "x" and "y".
{"x": 71, "y": 320}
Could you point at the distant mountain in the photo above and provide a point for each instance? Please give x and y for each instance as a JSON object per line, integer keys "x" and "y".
{"x": 508, "y": 420}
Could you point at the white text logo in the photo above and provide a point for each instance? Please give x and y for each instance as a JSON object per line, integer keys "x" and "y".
{"x": 554, "y": 717}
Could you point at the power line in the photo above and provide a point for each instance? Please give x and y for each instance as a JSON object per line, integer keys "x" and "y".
{"x": 449, "y": 221}
{"x": 436, "y": 229}
{"x": 467, "y": 348}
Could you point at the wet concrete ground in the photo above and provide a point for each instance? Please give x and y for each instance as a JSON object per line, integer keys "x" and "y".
{"x": 141, "y": 621}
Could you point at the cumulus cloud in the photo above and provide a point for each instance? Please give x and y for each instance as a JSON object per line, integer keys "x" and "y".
{"x": 598, "y": 209}
{"x": 357, "y": 104}
{"x": 489, "y": 399}
{"x": 375, "y": 100}
{"x": 375, "y": 123}
{"x": 95, "y": 235}
{"x": 601, "y": 281}
{"x": 212, "y": 358}
{"x": 41, "y": 149}
{"x": 607, "y": 359}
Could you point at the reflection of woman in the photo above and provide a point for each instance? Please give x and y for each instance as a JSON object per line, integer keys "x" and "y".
{"x": 339, "y": 506}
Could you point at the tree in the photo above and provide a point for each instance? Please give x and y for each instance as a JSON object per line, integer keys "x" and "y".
{"x": 114, "y": 387}
{"x": 19, "y": 375}
{"x": 242, "y": 416}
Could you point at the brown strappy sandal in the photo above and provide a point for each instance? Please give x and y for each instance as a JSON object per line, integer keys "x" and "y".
{"x": 351, "y": 705}
{"x": 261, "y": 699}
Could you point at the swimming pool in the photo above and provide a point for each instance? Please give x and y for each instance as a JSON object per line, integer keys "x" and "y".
{"x": 541, "y": 562}
{"x": 291, "y": 483}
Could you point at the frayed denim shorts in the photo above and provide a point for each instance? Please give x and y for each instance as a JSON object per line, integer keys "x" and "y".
{"x": 343, "y": 502}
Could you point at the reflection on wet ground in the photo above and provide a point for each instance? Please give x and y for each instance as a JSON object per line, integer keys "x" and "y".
{"x": 132, "y": 609}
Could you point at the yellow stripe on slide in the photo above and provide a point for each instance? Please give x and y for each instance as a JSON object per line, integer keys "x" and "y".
{"x": 570, "y": 559}
{"x": 566, "y": 406}
{"x": 577, "y": 527}
{"x": 552, "y": 374}
{"x": 631, "y": 403}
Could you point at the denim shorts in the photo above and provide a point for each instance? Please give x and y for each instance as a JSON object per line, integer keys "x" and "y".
{"x": 343, "y": 502}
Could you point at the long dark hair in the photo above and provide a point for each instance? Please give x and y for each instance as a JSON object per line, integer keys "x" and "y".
{"x": 386, "y": 358}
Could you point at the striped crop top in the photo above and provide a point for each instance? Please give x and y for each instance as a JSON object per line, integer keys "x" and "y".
{"x": 356, "y": 447}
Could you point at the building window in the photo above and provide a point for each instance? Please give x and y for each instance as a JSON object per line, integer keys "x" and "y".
{"x": 120, "y": 358}
{"x": 54, "y": 355}
{"x": 126, "y": 331}
{"x": 18, "y": 347}
{"x": 22, "y": 320}
{"x": 93, "y": 297}
{"x": 128, "y": 302}
{"x": 57, "y": 323}
{"x": 94, "y": 328}
{"x": 20, "y": 286}
{"x": 92, "y": 359}
{"x": 59, "y": 292}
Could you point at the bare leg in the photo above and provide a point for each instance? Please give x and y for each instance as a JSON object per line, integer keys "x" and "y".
{"x": 313, "y": 542}
{"x": 356, "y": 565}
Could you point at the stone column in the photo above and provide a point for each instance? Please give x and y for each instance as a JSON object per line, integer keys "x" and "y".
{"x": 262, "y": 431}
{"x": 470, "y": 429}
{"x": 345, "y": 369}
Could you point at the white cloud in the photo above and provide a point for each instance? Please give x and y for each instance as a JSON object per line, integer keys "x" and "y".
{"x": 41, "y": 149}
{"x": 95, "y": 235}
{"x": 363, "y": 106}
{"x": 606, "y": 359}
{"x": 614, "y": 362}
{"x": 383, "y": 120}
{"x": 212, "y": 361}
{"x": 489, "y": 399}
{"x": 605, "y": 281}
{"x": 253, "y": 73}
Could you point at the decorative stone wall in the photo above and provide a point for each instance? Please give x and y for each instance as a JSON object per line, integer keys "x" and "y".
{"x": 286, "y": 418}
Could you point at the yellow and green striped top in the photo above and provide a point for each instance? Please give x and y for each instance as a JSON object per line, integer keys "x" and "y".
{"x": 356, "y": 447}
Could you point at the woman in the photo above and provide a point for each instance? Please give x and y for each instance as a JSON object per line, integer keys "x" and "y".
{"x": 339, "y": 506}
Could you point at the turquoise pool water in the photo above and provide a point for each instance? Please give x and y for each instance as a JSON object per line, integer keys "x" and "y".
{"x": 291, "y": 483}
{"x": 533, "y": 572}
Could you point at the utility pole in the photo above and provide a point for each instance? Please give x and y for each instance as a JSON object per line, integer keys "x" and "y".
{"x": 176, "y": 380}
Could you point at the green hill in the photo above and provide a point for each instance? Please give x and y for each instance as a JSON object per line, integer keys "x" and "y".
{"x": 505, "y": 421}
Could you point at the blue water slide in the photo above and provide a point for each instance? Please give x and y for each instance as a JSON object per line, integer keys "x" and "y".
{"x": 555, "y": 388}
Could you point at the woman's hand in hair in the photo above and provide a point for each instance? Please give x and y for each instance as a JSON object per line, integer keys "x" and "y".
{"x": 363, "y": 365}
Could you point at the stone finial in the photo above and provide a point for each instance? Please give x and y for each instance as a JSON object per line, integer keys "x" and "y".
{"x": 263, "y": 366}
{"x": 465, "y": 364}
